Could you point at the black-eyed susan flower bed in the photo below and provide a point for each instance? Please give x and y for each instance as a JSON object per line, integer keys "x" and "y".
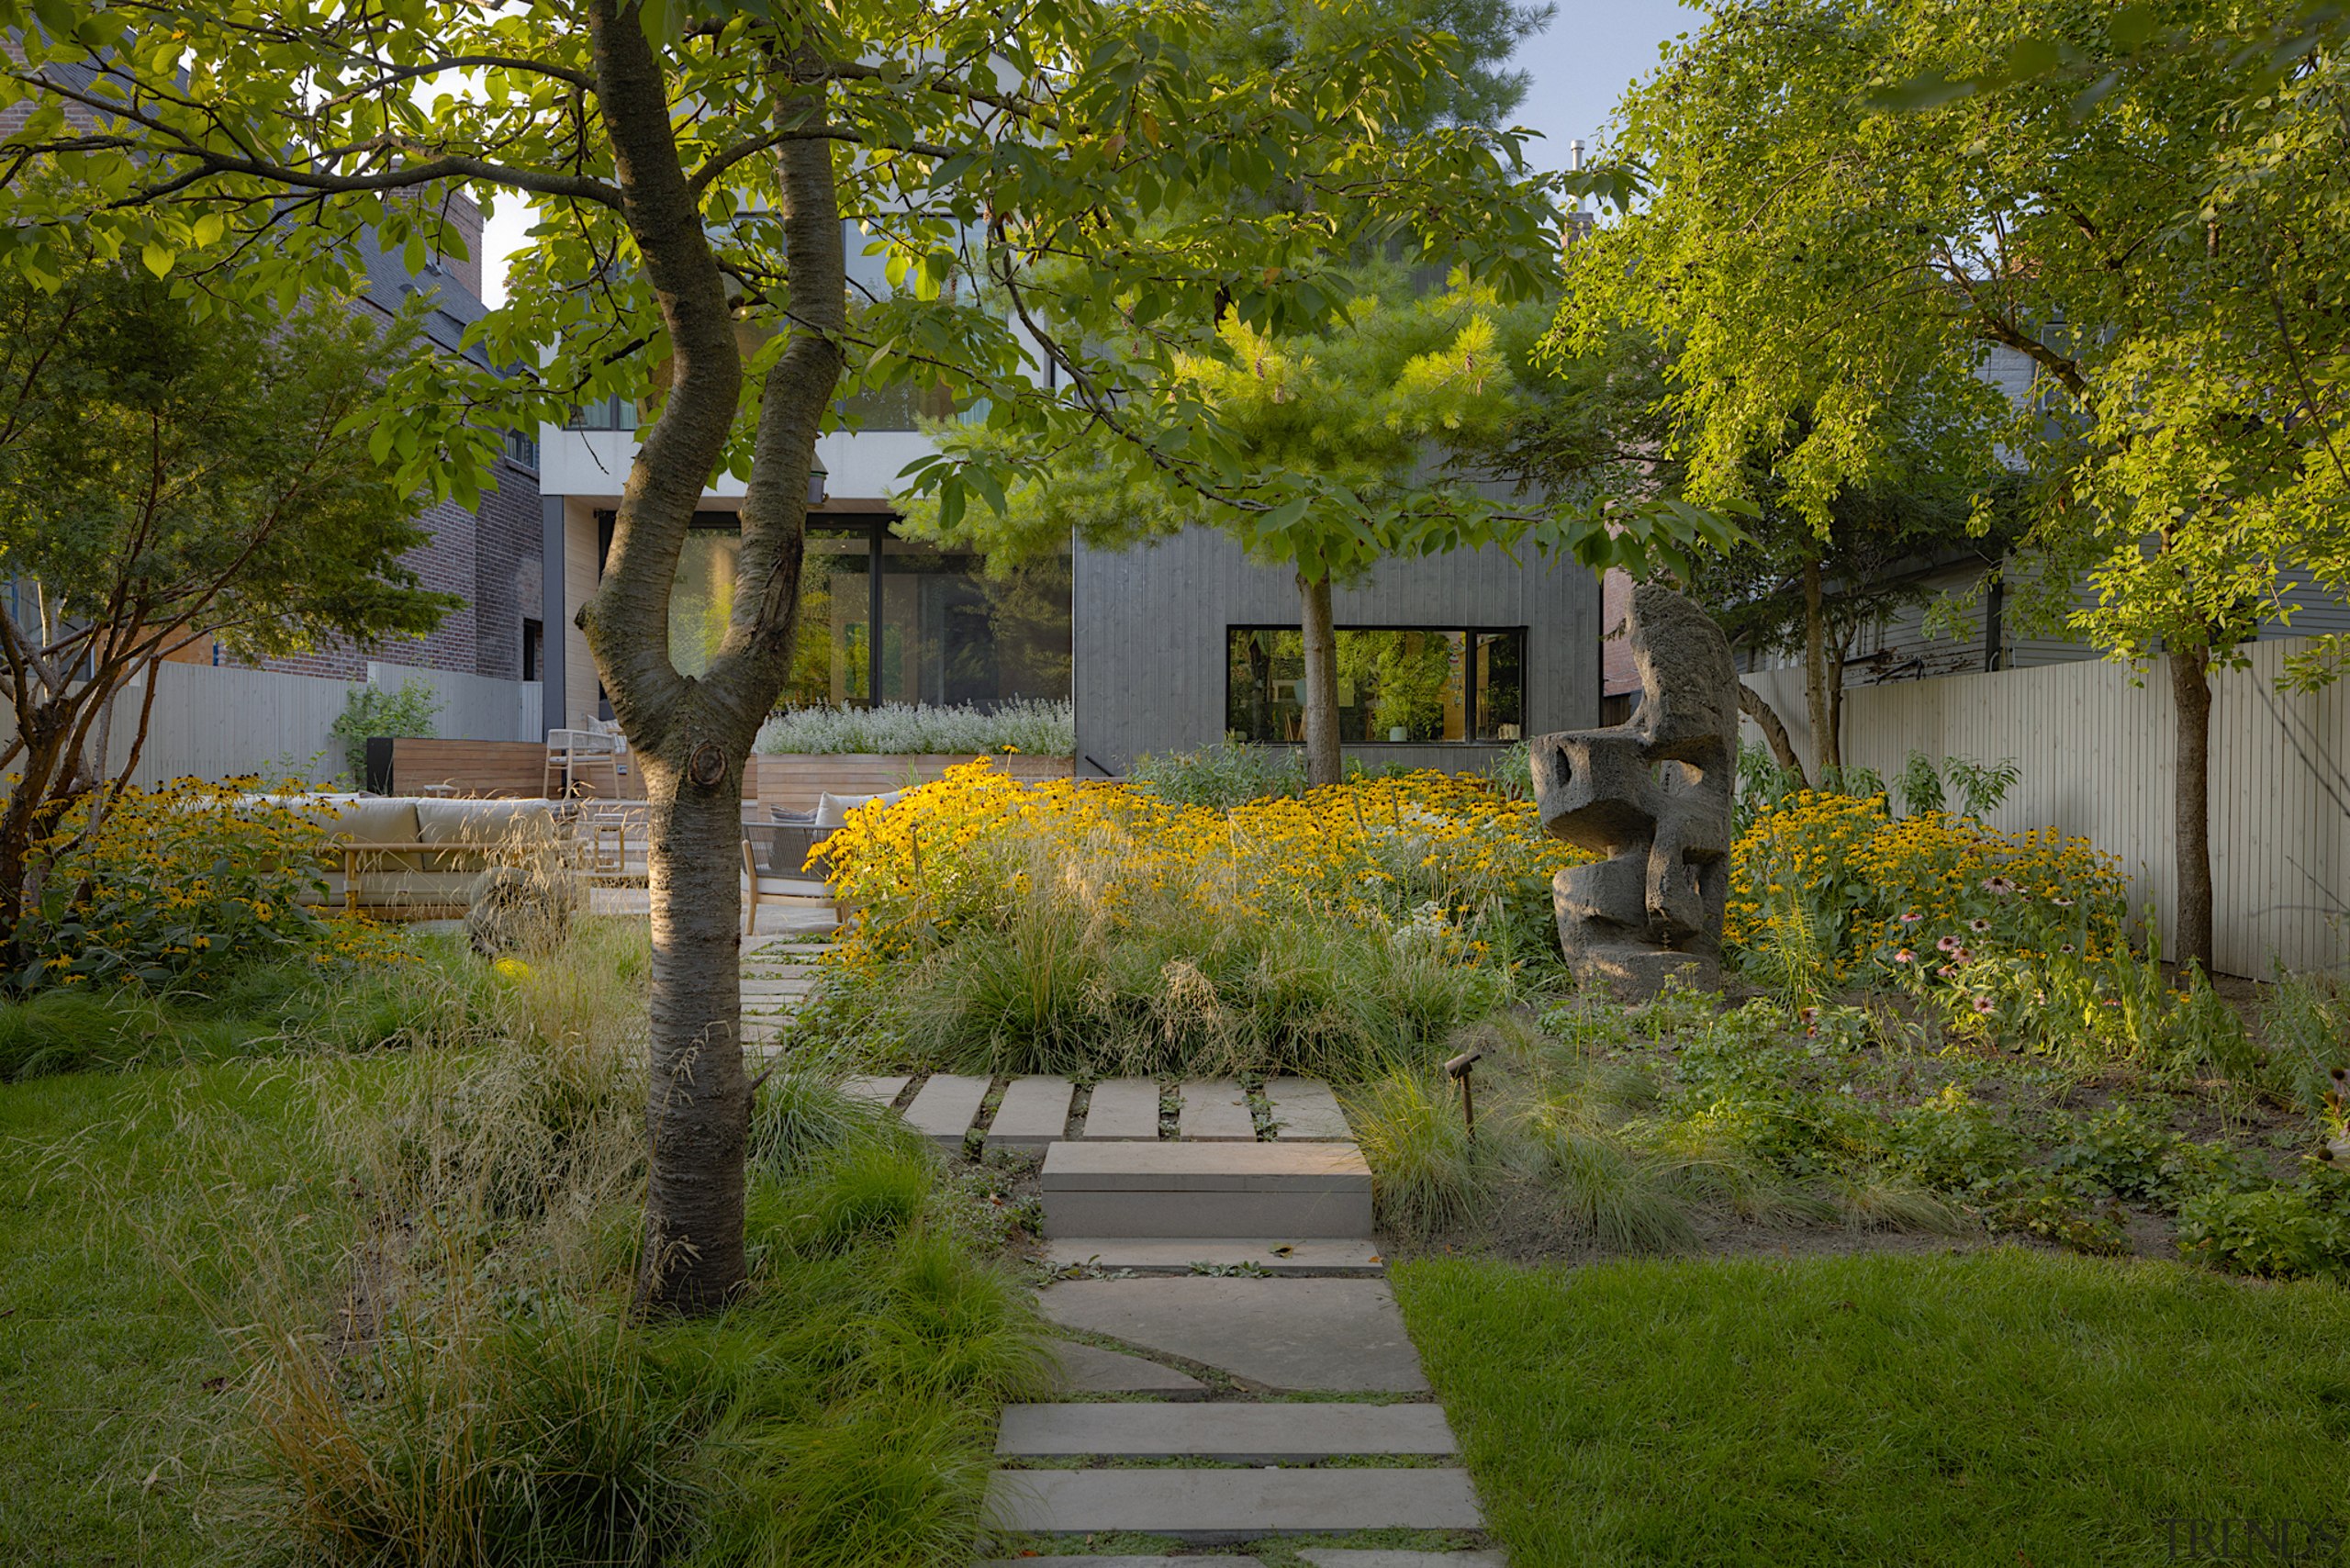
{"x": 1093, "y": 926}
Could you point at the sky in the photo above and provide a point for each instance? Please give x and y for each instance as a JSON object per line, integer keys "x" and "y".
{"x": 1592, "y": 50}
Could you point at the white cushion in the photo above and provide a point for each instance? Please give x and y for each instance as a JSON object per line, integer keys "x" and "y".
{"x": 832, "y": 810}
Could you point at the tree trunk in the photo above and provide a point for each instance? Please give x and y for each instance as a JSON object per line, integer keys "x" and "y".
{"x": 1766, "y": 719}
{"x": 1834, "y": 750}
{"x": 1815, "y": 670}
{"x": 2190, "y": 686}
{"x": 1323, "y": 763}
{"x": 698, "y": 1110}
{"x": 693, "y": 736}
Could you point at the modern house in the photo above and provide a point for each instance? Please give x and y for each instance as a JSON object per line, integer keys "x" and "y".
{"x": 1164, "y": 647}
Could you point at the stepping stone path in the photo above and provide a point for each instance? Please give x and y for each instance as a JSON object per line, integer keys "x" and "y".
{"x": 777, "y": 978}
{"x": 1222, "y": 1237}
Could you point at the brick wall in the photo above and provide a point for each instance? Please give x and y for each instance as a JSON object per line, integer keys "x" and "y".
{"x": 490, "y": 559}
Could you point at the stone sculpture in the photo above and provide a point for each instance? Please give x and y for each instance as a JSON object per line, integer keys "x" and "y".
{"x": 1652, "y": 797}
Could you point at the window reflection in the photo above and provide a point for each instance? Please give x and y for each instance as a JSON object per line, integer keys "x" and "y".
{"x": 949, "y": 628}
{"x": 1396, "y": 685}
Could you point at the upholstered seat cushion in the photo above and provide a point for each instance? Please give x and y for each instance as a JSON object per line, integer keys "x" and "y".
{"x": 832, "y": 810}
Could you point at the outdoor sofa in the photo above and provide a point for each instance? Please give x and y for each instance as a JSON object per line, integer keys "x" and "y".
{"x": 412, "y": 857}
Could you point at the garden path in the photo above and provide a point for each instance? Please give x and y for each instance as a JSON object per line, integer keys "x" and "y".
{"x": 1233, "y": 1366}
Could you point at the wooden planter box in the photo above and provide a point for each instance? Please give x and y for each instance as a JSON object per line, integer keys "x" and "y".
{"x": 793, "y": 780}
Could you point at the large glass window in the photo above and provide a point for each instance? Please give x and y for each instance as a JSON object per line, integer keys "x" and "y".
{"x": 885, "y": 619}
{"x": 1406, "y": 685}
{"x": 951, "y": 633}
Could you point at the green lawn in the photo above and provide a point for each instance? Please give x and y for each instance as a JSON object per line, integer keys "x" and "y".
{"x": 109, "y": 1370}
{"x": 2001, "y": 1407}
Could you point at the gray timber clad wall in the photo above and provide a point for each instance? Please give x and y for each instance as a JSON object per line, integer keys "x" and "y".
{"x": 1151, "y": 623}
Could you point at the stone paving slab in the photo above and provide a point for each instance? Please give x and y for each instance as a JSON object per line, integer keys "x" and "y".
{"x": 1336, "y": 1336}
{"x": 1034, "y": 1112}
{"x": 1239, "y": 1433}
{"x": 1088, "y": 1369}
{"x": 1206, "y": 1166}
{"x": 1351, "y": 1557}
{"x": 1341, "y": 1257}
{"x": 883, "y": 1092}
{"x": 1209, "y": 1215}
{"x": 944, "y": 1109}
{"x": 1217, "y": 1505}
{"x": 1304, "y": 1109}
{"x": 1122, "y": 1108}
{"x": 1217, "y": 1109}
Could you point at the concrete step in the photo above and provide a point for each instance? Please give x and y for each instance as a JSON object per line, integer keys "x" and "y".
{"x": 1214, "y": 1506}
{"x": 1216, "y": 1108}
{"x": 1034, "y": 1112}
{"x": 1122, "y": 1108}
{"x": 1325, "y": 1257}
{"x": 1235, "y": 1432}
{"x": 1158, "y": 1191}
{"x": 944, "y": 1107}
{"x": 1304, "y": 1110}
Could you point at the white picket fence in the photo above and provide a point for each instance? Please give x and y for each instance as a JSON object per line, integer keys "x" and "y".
{"x": 217, "y": 721}
{"x": 2095, "y": 750}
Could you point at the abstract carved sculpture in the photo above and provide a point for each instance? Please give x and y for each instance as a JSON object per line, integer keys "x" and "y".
{"x": 1652, "y": 797}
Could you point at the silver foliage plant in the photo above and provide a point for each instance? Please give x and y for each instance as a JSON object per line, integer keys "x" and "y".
{"x": 1034, "y": 726}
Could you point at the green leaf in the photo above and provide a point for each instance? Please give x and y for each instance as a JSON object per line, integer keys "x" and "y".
{"x": 158, "y": 257}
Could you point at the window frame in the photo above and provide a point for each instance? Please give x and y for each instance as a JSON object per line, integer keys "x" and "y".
{"x": 1525, "y": 634}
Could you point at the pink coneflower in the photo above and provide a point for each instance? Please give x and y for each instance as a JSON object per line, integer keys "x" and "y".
{"x": 1809, "y": 1014}
{"x": 2065, "y": 949}
{"x": 1998, "y": 885}
{"x": 1982, "y": 1004}
{"x": 1947, "y": 943}
{"x": 1911, "y": 918}
{"x": 1978, "y": 925}
{"x": 2059, "y": 901}
{"x": 2112, "y": 1002}
{"x": 1905, "y": 956}
{"x": 1946, "y": 971}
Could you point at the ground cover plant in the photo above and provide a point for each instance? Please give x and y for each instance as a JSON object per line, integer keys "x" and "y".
{"x": 2005, "y": 1405}
{"x": 376, "y": 1309}
{"x": 1095, "y": 928}
{"x": 1952, "y": 1035}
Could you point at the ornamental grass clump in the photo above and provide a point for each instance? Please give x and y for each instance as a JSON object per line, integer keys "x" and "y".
{"x": 442, "y": 1365}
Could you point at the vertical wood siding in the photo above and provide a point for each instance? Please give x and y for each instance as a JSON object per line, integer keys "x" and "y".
{"x": 1151, "y": 651}
{"x": 2095, "y": 745}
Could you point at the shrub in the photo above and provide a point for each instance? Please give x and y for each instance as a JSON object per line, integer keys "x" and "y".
{"x": 2276, "y": 1232}
{"x": 1220, "y": 778}
{"x": 370, "y": 711}
{"x": 1034, "y": 726}
{"x": 1916, "y": 901}
{"x": 1091, "y": 928}
{"x": 177, "y": 885}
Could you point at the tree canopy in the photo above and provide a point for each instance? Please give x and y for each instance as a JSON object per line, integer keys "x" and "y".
{"x": 1067, "y": 200}
{"x": 169, "y": 475}
{"x": 2142, "y": 201}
